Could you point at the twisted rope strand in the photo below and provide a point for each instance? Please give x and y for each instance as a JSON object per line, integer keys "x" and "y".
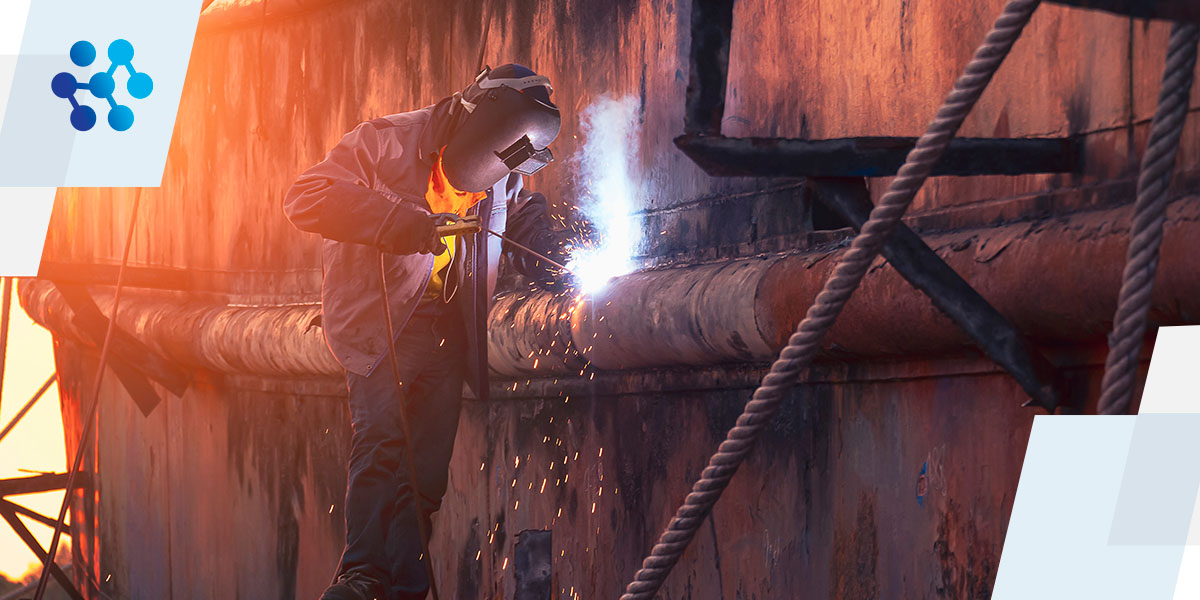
{"x": 1149, "y": 214}
{"x": 803, "y": 344}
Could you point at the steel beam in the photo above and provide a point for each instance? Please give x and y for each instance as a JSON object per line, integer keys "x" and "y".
{"x": 36, "y": 516}
{"x": 1174, "y": 10}
{"x": 9, "y": 515}
{"x": 918, "y": 264}
{"x": 874, "y": 156}
{"x": 38, "y": 483}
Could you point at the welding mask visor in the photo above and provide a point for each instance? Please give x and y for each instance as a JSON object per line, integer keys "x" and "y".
{"x": 507, "y": 131}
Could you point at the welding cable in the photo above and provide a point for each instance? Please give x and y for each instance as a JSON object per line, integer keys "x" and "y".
{"x": 69, "y": 489}
{"x": 533, "y": 253}
{"x": 1146, "y": 228}
{"x": 407, "y": 431}
{"x": 803, "y": 344}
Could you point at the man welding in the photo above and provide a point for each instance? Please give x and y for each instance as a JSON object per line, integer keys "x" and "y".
{"x": 377, "y": 198}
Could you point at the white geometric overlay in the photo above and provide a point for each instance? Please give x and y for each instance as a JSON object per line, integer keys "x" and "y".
{"x": 40, "y": 149}
{"x": 38, "y": 145}
{"x": 24, "y": 217}
{"x": 1107, "y": 505}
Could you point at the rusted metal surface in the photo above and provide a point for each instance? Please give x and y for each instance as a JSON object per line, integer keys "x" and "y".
{"x": 225, "y": 492}
{"x": 852, "y": 452}
{"x": 874, "y": 156}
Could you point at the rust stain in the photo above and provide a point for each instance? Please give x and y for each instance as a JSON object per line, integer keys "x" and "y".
{"x": 855, "y": 554}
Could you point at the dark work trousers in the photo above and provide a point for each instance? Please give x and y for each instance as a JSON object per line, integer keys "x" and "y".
{"x": 382, "y": 539}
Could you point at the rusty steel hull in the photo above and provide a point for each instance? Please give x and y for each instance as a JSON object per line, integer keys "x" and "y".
{"x": 235, "y": 489}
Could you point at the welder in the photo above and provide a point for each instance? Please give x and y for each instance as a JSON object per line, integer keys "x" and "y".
{"x": 374, "y": 198}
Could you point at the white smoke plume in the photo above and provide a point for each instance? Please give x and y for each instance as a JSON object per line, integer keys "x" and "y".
{"x": 607, "y": 192}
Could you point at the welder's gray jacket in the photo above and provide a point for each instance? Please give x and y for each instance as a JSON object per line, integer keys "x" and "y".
{"x": 347, "y": 197}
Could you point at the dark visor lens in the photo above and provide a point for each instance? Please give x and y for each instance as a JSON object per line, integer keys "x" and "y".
{"x": 521, "y": 157}
{"x": 535, "y": 162}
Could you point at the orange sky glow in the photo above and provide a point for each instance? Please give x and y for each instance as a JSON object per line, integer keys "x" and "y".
{"x": 36, "y": 444}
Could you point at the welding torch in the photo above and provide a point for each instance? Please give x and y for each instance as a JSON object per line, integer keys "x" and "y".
{"x": 452, "y": 224}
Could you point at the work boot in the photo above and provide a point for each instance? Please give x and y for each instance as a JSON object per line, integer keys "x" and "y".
{"x": 354, "y": 586}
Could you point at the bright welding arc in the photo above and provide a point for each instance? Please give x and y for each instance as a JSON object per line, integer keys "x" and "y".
{"x": 607, "y": 192}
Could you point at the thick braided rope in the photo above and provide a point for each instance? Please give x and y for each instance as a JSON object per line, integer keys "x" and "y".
{"x": 824, "y": 311}
{"x": 1149, "y": 214}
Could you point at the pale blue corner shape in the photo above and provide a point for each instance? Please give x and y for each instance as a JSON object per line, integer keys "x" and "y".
{"x": 1058, "y": 545}
{"x": 38, "y": 145}
{"x": 1160, "y": 481}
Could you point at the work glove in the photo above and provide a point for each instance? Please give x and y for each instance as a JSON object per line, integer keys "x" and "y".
{"x": 529, "y": 224}
{"x": 408, "y": 229}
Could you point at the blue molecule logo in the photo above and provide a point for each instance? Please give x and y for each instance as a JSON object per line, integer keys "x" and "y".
{"x": 102, "y": 85}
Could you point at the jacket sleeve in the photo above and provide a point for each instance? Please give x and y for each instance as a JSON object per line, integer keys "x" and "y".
{"x": 335, "y": 197}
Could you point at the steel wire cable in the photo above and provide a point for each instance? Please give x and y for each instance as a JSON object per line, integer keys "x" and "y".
{"x": 1149, "y": 215}
{"x": 803, "y": 344}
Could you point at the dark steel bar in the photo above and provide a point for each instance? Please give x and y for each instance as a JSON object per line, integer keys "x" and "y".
{"x": 874, "y": 156}
{"x": 23, "y": 532}
{"x": 1174, "y": 10}
{"x": 5, "y": 317}
{"x": 33, "y": 485}
{"x": 132, "y": 359}
{"x": 532, "y": 565}
{"x": 28, "y": 405}
{"x": 704, "y": 106}
{"x": 914, "y": 260}
{"x": 36, "y": 516}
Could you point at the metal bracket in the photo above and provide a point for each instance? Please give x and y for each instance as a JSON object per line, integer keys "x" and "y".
{"x": 10, "y": 510}
{"x": 914, "y": 260}
{"x": 133, "y": 361}
{"x": 830, "y": 162}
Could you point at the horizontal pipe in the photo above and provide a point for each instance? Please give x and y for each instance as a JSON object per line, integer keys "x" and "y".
{"x": 263, "y": 340}
{"x": 1056, "y": 280}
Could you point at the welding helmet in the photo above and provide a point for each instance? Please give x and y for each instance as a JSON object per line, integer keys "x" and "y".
{"x": 509, "y": 126}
